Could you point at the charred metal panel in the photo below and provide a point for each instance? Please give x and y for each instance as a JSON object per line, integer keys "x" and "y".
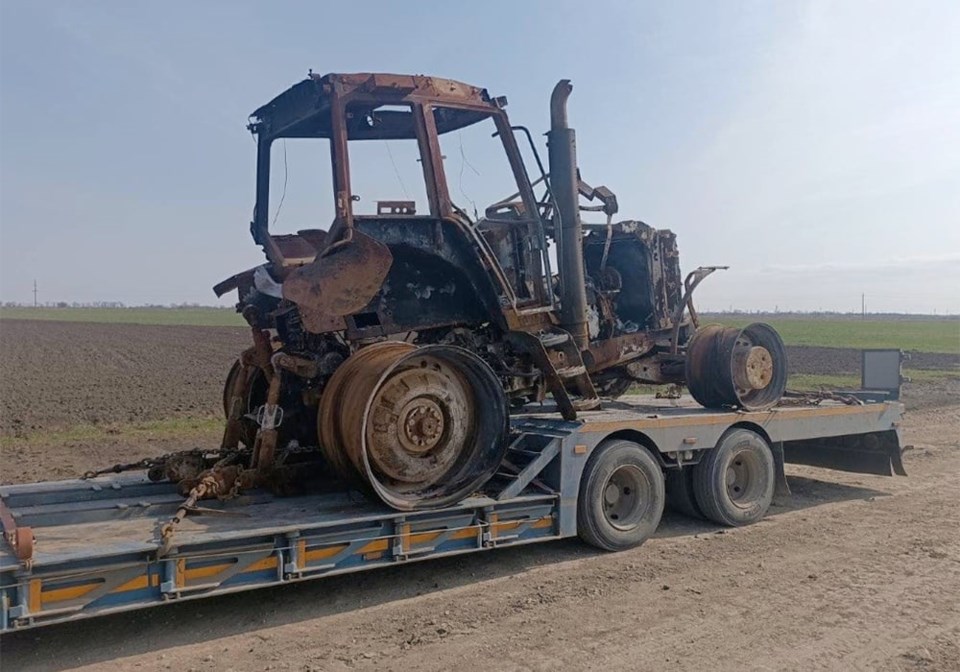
{"x": 630, "y": 257}
{"x": 618, "y": 350}
{"x": 435, "y": 280}
{"x": 647, "y": 263}
{"x": 670, "y": 286}
{"x": 507, "y": 244}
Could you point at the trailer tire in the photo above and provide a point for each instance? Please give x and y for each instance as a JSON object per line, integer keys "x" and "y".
{"x": 621, "y": 497}
{"x": 680, "y": 497}
{"x": 734, "y": 482}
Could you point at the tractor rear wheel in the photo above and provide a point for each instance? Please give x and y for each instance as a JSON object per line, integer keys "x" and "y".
{"x": 423, "y": 427}
{"x": 730, "y": 367}
{"x": 251, "y": 392}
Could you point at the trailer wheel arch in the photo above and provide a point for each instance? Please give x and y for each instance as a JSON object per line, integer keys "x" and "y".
{"x": 753, "y": 427}
{"x": 636, "y": 436}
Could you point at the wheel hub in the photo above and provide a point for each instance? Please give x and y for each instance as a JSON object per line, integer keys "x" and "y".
{"x": 422, "y": 417}
{"x": 611, "y": 495}
{"x": 422, "y": 425}
{"x": 742, "y": 478}
{"x": 753, "y": 366}
{"x": 624, "y": 497}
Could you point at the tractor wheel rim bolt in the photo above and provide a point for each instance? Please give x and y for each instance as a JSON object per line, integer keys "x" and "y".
{"x": 422, "y": 426}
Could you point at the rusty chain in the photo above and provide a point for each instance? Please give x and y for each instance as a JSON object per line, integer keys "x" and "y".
{"x": 795, "y": 398}
{"x": 211, "y": 484}
{"x": 146, "y": 463}
{"x": 207, "y": 484}
{"x": 159, "y": 461}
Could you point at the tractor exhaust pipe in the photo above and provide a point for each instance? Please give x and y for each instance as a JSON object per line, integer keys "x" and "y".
{"x": 564, "y": 181}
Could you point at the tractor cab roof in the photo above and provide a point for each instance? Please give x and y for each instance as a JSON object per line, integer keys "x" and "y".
{"x": 378, "y": 106}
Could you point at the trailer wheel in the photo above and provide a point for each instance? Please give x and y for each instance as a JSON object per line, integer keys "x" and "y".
{"x": 621, "y": 496}
{"x": 680, "y": 495}
{"x": 734, "y": 482}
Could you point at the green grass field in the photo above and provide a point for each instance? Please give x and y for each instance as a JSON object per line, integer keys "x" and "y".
{"x": 201, "y": 317}
{"x": 921, "y": 335}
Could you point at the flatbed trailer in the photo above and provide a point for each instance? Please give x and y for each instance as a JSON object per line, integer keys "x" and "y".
{"x": 92, "y": 547}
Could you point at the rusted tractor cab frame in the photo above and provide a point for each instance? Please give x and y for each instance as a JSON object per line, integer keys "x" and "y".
{"x": 344, "y": 108}
{"x": 474, "y": 300}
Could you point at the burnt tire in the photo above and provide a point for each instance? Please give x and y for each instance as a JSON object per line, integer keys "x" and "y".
{"x": 614, "y": 387}
{"x": 254, "y": 395}
{"x": 680, "y": 496}
{"x": 622, "y": 496}
{"x": 728, "y": 367}
{"x": 733, "y": 483}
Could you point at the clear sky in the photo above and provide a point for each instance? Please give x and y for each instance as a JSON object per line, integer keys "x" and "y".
{"x": 813, "y": 147}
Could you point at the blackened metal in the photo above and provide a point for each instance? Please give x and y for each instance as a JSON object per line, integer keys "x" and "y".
{"x": 877, "y": 453}
{"x": 690, "y": 283}
{"x": 564, "y": 183}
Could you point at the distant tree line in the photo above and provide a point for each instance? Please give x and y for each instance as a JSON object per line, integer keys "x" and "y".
{"x": 829, "y": 314}
{"x": 108, "y": 304}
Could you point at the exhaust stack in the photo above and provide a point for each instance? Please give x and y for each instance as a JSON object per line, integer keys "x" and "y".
{"x": 562, "y": 146}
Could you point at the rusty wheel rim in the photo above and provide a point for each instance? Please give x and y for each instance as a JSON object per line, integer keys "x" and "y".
{"x": 751, "y": 365}
{"x": 419, "y": 420}
{"x": 730, "y": 367}
{"x": 340, "y": 417}
{"x": 421, "y": 426}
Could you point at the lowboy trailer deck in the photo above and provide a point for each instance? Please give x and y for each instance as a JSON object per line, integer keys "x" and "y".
{"x": 82, "y": 548}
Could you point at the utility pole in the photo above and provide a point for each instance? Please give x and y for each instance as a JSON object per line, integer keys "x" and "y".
{"x": 34, "y": 293}
{"x": 863, "y": 306}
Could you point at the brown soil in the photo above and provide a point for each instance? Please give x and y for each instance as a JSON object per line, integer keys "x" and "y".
{"x": 820, "y": 361}
{"x": 851, "y": 572}
{"x": 60, "y": 374}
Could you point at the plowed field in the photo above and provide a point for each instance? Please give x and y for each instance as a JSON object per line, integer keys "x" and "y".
{"x": 55, "y": 375}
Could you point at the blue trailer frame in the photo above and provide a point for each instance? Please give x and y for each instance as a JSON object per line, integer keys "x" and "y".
{"x": 97, "y": 542}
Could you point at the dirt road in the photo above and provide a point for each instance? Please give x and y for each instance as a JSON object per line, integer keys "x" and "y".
{"x": 850, "y": 573}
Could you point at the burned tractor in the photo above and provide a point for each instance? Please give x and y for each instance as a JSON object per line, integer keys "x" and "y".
{"x": 394, "y": 344}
